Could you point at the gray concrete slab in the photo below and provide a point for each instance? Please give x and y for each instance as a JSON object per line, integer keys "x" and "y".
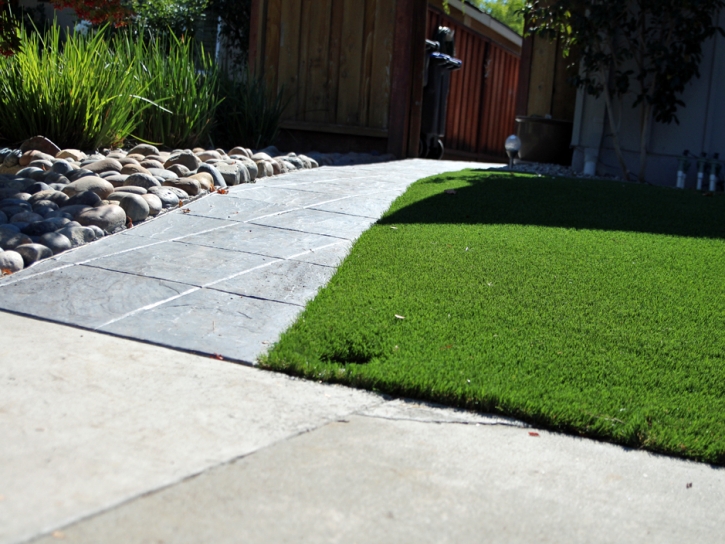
{"x": 89, "y": 421}
{"x": 184, "y": 263}
{"x": 210, "y": 322}
{"x": 361, "y": 205}
{"x": 176, "y": 225}
{"x": 368, "y": 479}
{"x": 270, "y": 241}
{"x": 295, "y": 197}
{"x": 293, "y": 282}
{"x": 348, "y": 227}
{"x": 85, "y": 296}
{"x": 331, "y": 255}
{"x": 235, "y": 209}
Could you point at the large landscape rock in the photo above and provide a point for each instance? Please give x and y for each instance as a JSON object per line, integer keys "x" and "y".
{"x": 98, "y": 185}
{"x": 135, "y": 206}
{"x": 32, "y": 253}
{"x": 11, "y": 261}
{"x": 110, "y": 218}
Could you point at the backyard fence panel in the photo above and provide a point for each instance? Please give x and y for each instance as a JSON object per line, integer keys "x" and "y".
{"x": 481, "y": 103}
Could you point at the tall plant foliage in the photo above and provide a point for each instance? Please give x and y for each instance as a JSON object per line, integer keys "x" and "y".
{"x": 647, "y": 49}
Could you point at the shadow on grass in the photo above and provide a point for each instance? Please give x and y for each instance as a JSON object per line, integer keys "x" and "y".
{"x": 503, "y": 198}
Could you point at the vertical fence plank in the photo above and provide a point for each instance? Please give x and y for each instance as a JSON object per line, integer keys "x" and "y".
{"x": 271, "y": 61}
{"x": 367, "y": 60}
{"x": 333, "y": 69}
{"x": 289, "y": 58}
{"x": 318, "y": 89}
{"x": 348, "y": 100}
{"x": 381, "y": 67}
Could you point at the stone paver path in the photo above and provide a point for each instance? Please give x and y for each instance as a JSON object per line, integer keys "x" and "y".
{"x": 224, "y": 275}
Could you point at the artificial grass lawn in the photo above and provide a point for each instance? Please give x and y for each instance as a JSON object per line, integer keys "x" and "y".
{"x": 593, "y": 307}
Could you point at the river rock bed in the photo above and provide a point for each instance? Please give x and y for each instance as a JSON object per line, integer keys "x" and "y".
{"x": 53, "y": 200}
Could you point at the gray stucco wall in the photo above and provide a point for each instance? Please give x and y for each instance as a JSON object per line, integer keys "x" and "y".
{"x": 701, "y": 128}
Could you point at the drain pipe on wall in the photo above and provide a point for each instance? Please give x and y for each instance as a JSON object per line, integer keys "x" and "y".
{"x": 588, "y": 130}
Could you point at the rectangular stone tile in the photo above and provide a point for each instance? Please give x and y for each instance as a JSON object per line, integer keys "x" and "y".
{"x": 235, "y": 208}
{"x": 85, "y": 296}
{"x": 175, "y": 225}
{"x": 363, "y": 206}
{"x": 331, "y": 224}
{"x": 185, "y": 263}
{"x": 281, "y": 195}
{"x": 211, "y": 322}
{"x": 293, "y": 282}
{"x": 360, "y": 186}
{"x": 332, "y": 255}
{"x": 105, "y": 246}
{"x": 262, "y": 240}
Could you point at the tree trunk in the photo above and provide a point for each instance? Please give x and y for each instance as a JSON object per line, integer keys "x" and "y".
{"x": 644, "y": 131}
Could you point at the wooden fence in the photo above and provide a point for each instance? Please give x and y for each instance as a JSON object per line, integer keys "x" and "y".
{"x": 482, "y": 100}
{"x": 334, "y": 59}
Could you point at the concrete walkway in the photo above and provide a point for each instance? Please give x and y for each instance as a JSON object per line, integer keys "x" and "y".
{"x": 107, "y": 439}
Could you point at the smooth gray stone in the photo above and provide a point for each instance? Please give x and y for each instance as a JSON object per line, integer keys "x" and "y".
{"x": 12, "y": 261}
{"x": 59, "y": 213}
{"x": 180, "y": 193}
{"x": 363, "y": 206}
{"x": 211, "y": 322}
{"x": 84, "y": 296}
{"x": 26, "y": 217}
{"x": 9, "y": 227}
{"x": 37, "y": 187}
{"x": 15, "y": 202}
{"x": 45, "y": 226}
{"x": 44, "y": 207}
{"x": 185, "y": 158}
{"x": 62, "y": 167}
{"x": 58, "y": 197}
{"x": 313, "y": 221}
{"x": 292, "y": 282}
{"x": 141, "y": 180}
{"x": 136, "y": 208}
{"x": 251, "y": 167}
{"x": 56, "y": 242}
{"x": 103, "y": 165}
{"x": 57, "y": 186}
{"x": 32, "y": 253}
{"x": 180, "y": 170}
{"x": 54, "y": 178}
{"x": 11, "y": 240}
{"x": 28, "y": 172}
{"x": 154, "y": 203}
{"x": 84, "y": 198}
{"x": 176, "y": 225}
{"x": 78, "y": 174}
{"x": 144, "y": 149}
{"x": 14, "y": 209}
{"x": 109, "y": 218}
{"x": 168, "y": 198}
{"x": 97, "y": 231}
{"x": 78, "y": 236}
{"x": 214, "y": 173}
{"x": 327, "y": 256}
{"x": 185, "y": 263}
{"x": 131, "y": 189}
{"x": 268, "y": 241}
{"x": 96, "y": 184}
{"x": 74, "y": 210}
{"x": 234, "y": 209}
{"x": 3, "y": 218}
{"x": 162, "y": 173}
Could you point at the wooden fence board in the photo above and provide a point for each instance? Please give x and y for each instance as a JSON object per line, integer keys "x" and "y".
{"x": 348, "y": 101}
{"x": 318, "y": 89}
{"x": 381, "y": 67}
{"x": 289, "y": 53}
{"x": 271, "y": 57}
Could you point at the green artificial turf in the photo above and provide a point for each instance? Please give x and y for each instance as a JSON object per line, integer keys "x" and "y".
{"x": 592, "y": 307}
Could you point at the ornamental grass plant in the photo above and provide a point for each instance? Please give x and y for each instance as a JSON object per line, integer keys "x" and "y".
{"x": 181, "y": 78}
{"x": 72, "y": 89}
